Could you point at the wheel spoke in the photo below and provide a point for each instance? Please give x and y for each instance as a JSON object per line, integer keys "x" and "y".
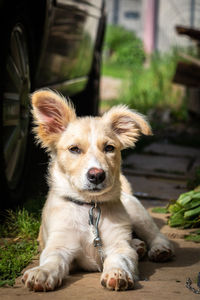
{"x": 13, "y": 75}
{"x": 11, "y": 142}
{"x": 11, "y": 109}
{"x": 17, "y": 52}
{"x": 14, "y": 162}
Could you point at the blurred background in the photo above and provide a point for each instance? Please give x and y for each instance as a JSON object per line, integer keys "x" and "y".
{"x": 151, "y": 48}
{"x": 142, "y": 53}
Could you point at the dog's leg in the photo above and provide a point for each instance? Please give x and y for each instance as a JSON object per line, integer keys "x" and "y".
{"x": 54, "y": 265}
{"x": 160, "y": 248}
{"x": 120, "y": 267}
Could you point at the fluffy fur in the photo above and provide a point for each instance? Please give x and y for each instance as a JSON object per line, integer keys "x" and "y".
{"x": 77, "y": 146}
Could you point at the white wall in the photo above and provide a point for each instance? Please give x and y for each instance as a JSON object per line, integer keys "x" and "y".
{"x": 127, "y": 6}
{"x": 171, "y": 13}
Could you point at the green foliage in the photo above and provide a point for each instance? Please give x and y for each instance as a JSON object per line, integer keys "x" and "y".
{"x": 123, "y": 47}
{"x": 116, "y": 71}
{"x": 185, "y": 212}
{"x": 21, "y": 224}
{"x": 193, "y": 236}
{"x": 152, "y": 87}
{"x": 13, "y": 258}
{"x": 160, "y": 210}
{"x": 148, "y": 84}
{"x": 18, "y": 243}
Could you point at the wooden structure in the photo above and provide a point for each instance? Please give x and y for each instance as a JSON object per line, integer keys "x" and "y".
{"x": 188, "y": 70}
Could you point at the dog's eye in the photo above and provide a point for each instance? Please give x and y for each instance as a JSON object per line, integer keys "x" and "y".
{"x": 75, "y": 150}
{"x": 109, "y": 148}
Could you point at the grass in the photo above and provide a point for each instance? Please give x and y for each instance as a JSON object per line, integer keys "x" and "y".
{"x": 18, "y": 244}
{"x": 146, "y": 86}
{"x": 116, "y": 71}
{"x": 14, "y": 256}
{"x": 151, "y": 87}
{"x": 193, "y": 236}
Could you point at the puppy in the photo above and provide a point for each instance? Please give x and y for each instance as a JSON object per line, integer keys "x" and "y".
{"x": 90, "y": 213}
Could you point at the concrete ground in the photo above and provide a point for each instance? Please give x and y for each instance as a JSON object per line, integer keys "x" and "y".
{"x": 157, "y": 175}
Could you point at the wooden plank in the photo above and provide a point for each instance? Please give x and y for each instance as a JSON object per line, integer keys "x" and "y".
{"x": 191, "y": 32}
{"x": 187, "y": 74}
{"x": 190, "y": 59}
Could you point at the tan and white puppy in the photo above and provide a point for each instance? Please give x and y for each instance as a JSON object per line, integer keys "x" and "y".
{"x": 85, "y": 169}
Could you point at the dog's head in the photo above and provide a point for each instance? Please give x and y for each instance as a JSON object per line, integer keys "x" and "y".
{"x": 86, "y": 150}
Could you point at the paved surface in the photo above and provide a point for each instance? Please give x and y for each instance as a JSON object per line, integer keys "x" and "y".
{"x": 162, "y": 170}
{"x": 110, "y": 88}
{"x": 157, "y": 175}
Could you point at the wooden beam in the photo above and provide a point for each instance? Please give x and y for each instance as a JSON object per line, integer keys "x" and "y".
{"x": 191, "y": 32}
{"x": 187, "y": 74}
{"x": 190, "y": 58}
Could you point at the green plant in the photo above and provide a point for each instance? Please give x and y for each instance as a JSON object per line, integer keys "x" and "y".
{"x": 193, "y": 236}
{"x": 20, "y": 223}
{"x": 185, "y": 212}
{"x": 146, "y": 86}
{"x": 18, "y": 243}
{"x": 14, "y": 256}
{"x": 122, "y": 47}
{"x": 160, "y": 210}
{"x": 151, "y": 86}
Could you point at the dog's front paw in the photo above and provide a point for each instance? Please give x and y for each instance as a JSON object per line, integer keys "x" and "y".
{"x": 117, "y": 279}
{"x": 161, "y": 250}
{"x": 39, "y": 279}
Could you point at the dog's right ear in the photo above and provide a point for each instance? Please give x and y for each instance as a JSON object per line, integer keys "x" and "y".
{"x": 127, "y": 124}
{"x": 51, "y": 113}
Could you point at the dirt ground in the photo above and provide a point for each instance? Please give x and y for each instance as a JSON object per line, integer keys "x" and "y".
{"x": 157, "y": 280}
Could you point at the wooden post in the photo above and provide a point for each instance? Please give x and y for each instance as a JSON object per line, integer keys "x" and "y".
{"x": 150, "y": 25}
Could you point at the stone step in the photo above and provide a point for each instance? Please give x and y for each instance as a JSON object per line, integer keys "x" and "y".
{"x": 158, "y": 164}
{"x": 148, "y": 173}
{"x": 156, "y": 189}
{"x": 172, "y": 150}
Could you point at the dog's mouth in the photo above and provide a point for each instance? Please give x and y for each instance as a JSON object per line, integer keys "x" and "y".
{"x": 95, "y": 189}
{"x": 99, "y": 189}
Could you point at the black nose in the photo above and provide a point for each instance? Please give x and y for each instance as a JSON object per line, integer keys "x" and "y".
{"x": 96, "y": 176}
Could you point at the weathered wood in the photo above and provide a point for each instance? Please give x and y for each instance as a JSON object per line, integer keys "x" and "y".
{"x": 191, "y": 32}
{"x": 187, "y": 74}
{"x": 190, "y": 59}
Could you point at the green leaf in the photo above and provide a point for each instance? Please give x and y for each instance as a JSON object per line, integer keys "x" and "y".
{"x": 177, "y": 219}
{"x": 192, "y": 212}
{"x": 173, "y": 208}
{"x": 192, "y": 204}
{"x": 185, "y": 198}
{"x": 160, "y": 210}
{"x": 196, "y": 195}
{"x": 193, "y": 236}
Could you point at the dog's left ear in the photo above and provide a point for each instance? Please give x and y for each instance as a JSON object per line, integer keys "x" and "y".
{"x": 51, "y": 114}
{"x": 127, "y": 124}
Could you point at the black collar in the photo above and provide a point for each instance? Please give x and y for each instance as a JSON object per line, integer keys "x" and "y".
{"x": 79, "y": 202}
